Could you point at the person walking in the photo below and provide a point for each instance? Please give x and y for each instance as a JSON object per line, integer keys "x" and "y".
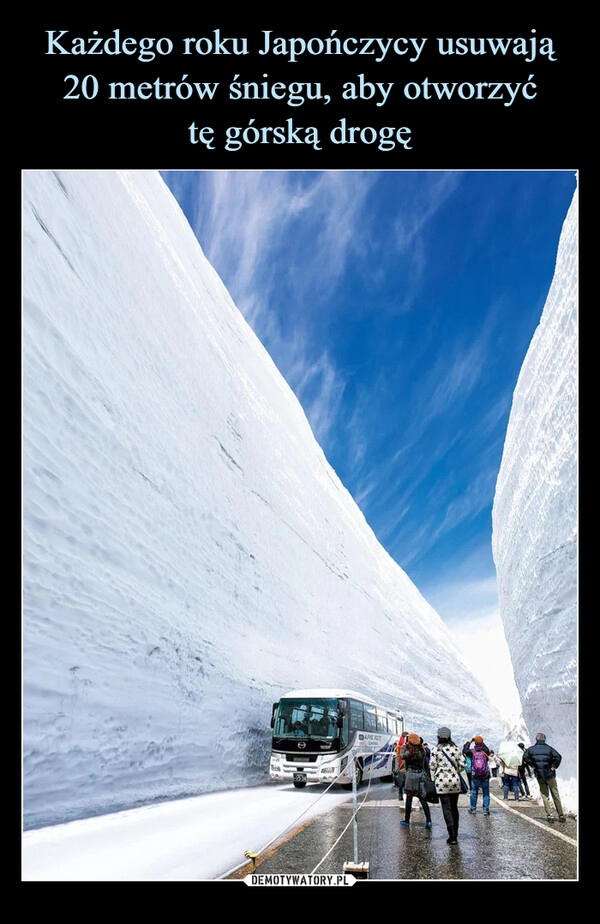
{"x": 480, "y": 773}
{"x": 445, "y": 764}
{"x": 524, "y": 772}
{"x": 493, "y": 764}
{"x": 415, "y": 766}
{"x": 545, "y": 761}
{"x": 468, "y": 767}
{"x": 400, "y": 771}
{"x": 510, "y": 780}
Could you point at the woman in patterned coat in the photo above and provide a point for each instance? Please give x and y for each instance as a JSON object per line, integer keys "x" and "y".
{"x": 445, "y": 764}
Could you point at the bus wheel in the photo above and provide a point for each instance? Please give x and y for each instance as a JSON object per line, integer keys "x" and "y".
{"x": 299, "y": 785}
{"x": 359, "y": 776}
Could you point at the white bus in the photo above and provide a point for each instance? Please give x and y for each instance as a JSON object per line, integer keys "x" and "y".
{"x": 318, "y": 735}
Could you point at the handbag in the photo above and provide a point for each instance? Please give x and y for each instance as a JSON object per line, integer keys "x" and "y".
{"x": 427, "y": 790}
{"x": 399, "y": 778}
{"x": 463, "y": 783}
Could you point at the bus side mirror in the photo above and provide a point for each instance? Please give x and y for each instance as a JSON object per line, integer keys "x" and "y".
{"x": 273, "y": 711}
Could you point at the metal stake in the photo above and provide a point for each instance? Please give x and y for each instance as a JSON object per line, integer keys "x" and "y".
{"x": 359, "y": 870}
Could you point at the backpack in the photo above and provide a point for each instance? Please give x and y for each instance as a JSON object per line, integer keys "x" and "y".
{"x": 415, "y": 756}
{"x": 480, "y": 763}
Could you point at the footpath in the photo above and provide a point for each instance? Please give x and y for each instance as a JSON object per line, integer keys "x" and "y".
{"x": 515, "y": 842}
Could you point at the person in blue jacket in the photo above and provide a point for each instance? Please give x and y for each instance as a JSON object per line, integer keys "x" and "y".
{"x": 467, "y": 754}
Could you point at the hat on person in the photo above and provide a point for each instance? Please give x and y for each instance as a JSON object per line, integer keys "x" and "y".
{"x": 478, "y": 739}
{"x": 414, "y": 739}
{"x": 444, "y": 732}
{"x": 540, "y": 736}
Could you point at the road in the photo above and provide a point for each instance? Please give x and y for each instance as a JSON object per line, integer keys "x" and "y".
{"x": 306, "y": 831}
{"x": 514, "y": 843}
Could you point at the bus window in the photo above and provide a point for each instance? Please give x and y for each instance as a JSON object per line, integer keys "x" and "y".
{"x": 290, "y": 718}
{"x": 381, "y": 722}
{"x": 356, "y": 715}
{"x": 307, "y": 717}
{"x": 370, "y": 718}
{"x": 322, "y": 721}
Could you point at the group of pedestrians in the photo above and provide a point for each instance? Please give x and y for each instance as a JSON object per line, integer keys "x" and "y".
{"x": 442, "y": 764}
{"x": 446, "y": 761}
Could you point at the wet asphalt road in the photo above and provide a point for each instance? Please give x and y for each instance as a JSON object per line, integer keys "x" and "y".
{"x": 514, "y": 843}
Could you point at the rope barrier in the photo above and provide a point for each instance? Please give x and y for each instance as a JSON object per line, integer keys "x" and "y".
{"x": 352, "y": 818}
{"x": 296, "y": 821}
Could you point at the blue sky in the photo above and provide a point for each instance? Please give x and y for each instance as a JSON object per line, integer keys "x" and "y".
{"x": 399, "y": 306}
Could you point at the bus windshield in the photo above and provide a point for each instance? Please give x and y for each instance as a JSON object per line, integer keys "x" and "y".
{"x": 314, "y": 718}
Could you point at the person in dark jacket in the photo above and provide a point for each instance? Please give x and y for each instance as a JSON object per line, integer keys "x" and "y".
{"x": 415, "y": 765}
{"x": 524, "y": 772}
{"x": 478, "y": 782}
{"x": 545, "y": 760}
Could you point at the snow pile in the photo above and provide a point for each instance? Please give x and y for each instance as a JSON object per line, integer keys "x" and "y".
{"x": 188, "y": 553}
{"x": 535, "y": 518}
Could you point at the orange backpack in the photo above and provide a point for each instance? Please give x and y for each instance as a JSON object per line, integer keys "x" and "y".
{"x": 399, "y": 746}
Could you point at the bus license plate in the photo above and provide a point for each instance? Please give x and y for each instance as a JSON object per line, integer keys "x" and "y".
{"x": 300, "y": 778}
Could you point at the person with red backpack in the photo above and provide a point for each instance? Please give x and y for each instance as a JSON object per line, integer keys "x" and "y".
{"x": 480, "y": 773}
